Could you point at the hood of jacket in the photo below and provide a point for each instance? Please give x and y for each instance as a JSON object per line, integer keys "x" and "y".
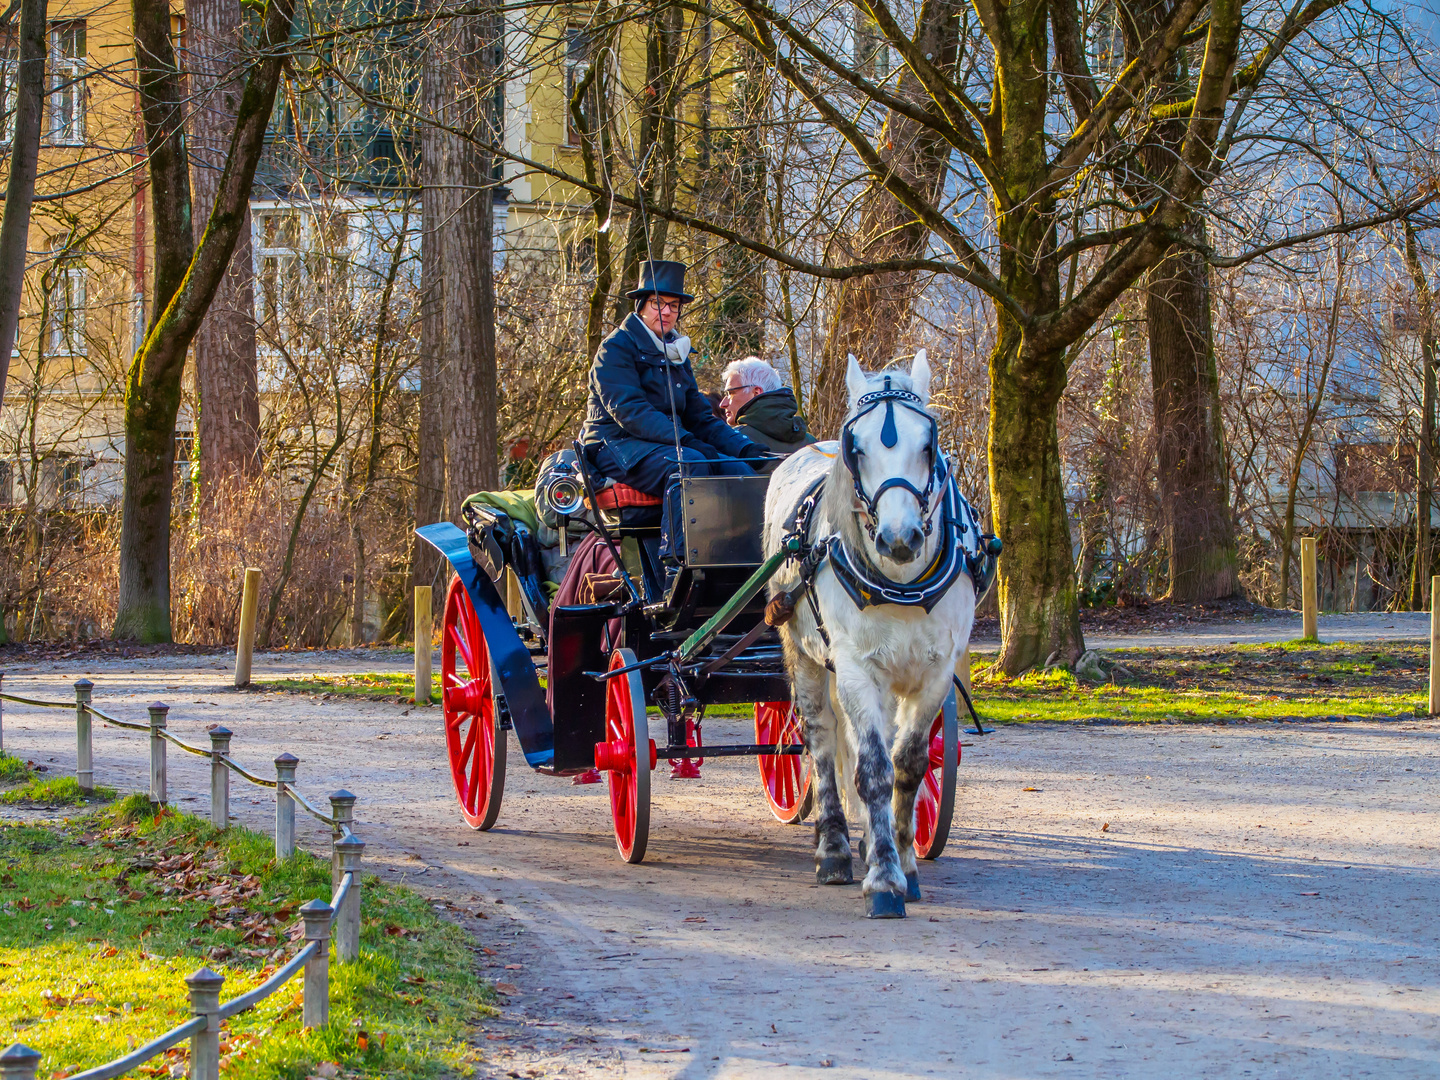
{"x": 774, "y": 415}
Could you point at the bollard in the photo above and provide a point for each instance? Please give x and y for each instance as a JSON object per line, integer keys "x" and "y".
{"x": 158, "y": 713}
{"x": 422, "y": 644}
{"x": 342, "y": 809}
{"x": 316, "y": 914}
{"x": 84, "y": 760}
{"x": 219, "y": 777}
{"x": 1434, "y": 647}
{"x": 347, "y": 929}
{"x": 284, "y": 806}
{"x": 19, "y": 1062}
{"x": 245, "y": 639}
{"x": 205, "y": 1044}
{"x": 1310, "y": 627}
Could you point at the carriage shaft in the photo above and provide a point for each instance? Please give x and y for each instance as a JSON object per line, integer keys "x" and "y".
{"x": 697, "y": 641}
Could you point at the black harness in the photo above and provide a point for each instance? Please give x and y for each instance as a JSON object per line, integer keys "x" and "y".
{"x": 850, "y": 454}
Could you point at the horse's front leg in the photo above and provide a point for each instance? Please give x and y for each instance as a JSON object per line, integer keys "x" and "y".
{"x": 884, "y": 886}
{"x": 832, "y": 832}
{"x": 912, "y": 762}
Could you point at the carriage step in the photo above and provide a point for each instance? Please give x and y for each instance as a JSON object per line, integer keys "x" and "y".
{"x": 684, "y": 769}
{"x": 885, "y": 905}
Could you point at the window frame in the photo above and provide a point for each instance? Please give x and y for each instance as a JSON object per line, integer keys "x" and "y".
{"x": 65, "y": 334}
{"x": 65, "y": 74}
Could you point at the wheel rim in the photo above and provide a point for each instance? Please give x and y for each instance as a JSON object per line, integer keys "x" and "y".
{"x": 935, "y": 801}
{"x": 628, "y": 777}
{"x": 467, "y": 694}
{"x": 785, "y": 777}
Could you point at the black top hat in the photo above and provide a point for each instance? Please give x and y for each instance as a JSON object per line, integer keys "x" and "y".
{"x": 662, "y": 277}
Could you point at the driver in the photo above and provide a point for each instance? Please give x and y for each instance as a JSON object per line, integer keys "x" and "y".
{"x": 644, "y": 398}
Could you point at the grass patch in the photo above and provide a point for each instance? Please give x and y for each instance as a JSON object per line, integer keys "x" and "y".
{"x": 101, "y": 917}
{"x": 1207, "y": 685}
{"x": 13, "y": 770}
{"x": 369, "y": 685}
{"x": 57, "y": 791}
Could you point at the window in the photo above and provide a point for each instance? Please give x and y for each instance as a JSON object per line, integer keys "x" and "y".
{"x": 72, "y": 481}
{"x": 278, "y": 251}
{"x": 67, "y": 310}
{"x": 577, "y": 57}
{"x": 9, "y": 70}
{"x": 67, "y": 83}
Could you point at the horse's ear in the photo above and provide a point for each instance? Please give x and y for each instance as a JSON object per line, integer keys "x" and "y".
{"x": 855, "y": 380}
{"x": 920, "y": 376}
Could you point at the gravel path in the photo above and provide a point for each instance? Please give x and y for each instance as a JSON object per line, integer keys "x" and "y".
{"x": 1261, "y": 904}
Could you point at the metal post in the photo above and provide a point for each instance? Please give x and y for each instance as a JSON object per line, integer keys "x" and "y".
{"x": 342, "y": 809}
{"x": 284, "y": 806}
{"x": 347, "y": 931}
{"x": 2, "y": 723}
{"x": 19, "y": 1062}
{"x": 317, "y": 915}
{"x": 1434, "y": 647}
{"x": 84, "y": 759}
{"x": 245, "y": 639}
{"x": 1308, "y": 607}
{"x": 422, "y": 644}
{"x": 158, "y": 713}
{"x": 219, "y": 777}
{"x": 205, "y": 1044}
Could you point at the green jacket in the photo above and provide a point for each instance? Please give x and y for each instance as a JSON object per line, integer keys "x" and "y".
{"x": 773, "y": 421}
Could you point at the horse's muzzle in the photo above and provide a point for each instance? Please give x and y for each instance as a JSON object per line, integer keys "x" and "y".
{"x": 900, "y": 545}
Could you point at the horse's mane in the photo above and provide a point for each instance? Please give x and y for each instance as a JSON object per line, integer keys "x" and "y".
{"x": 839, "y": 495}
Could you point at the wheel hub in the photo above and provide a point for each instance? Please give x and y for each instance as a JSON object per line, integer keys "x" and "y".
{"x": 470, "y": 697}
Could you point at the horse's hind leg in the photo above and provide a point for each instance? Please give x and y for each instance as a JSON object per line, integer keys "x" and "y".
{"x": 884, "y": 885}
{"x": 832, "y": 833}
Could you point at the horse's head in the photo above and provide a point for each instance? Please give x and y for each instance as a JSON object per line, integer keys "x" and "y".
{"x": 889, "y": 445}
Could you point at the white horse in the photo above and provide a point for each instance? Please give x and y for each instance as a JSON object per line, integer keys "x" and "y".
{"x": 868, "y": 680}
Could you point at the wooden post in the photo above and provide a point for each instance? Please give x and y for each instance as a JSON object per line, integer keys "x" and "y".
{"x": 422, "y": 644}
{"x": 284, "y": 806}
{"x": 245, "y": 641}
{"x": 219, "y": 777}
{"x": 316, "y": 914}
{"x": 1434, "y": 647}
{"x": 205, "y": 1044}
{"x": 1308, "y": 607}
{"x": 963, "y": 670}
{"x": 158, "y": 714}
{"x": 84, "y": 757}
{"x": 342, "y": 809}
{"x": 2, "y": 723}
{"x": 19, "y": 1062}
{"x": 347, "y": 929}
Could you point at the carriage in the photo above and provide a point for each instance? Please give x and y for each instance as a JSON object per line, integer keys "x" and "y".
{"x": 631, "y": 658}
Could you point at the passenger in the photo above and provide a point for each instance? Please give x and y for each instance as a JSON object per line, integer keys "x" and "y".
{"x": 762, "y": 408}
{"x": 644, "y": 398}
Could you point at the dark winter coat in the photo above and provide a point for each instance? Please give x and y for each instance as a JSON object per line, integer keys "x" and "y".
{"x": 630, "y": 409}
{"x": 772, "y": 419}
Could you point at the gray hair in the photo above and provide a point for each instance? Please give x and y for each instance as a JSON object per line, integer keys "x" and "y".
{"x": 755, "y": 372}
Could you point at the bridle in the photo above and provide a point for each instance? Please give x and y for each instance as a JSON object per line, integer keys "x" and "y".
{"x": 890, "y": 396}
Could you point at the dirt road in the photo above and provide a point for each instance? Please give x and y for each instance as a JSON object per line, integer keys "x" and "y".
{"x": 1262, "y": 903}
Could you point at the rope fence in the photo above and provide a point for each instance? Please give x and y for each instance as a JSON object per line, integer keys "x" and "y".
{"x": 340, "y": 918}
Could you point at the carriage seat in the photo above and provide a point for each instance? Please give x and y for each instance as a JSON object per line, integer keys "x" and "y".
{"x": 622, "y": 506}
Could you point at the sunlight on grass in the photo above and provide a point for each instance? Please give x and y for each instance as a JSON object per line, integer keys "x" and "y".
{"x": 58, "y": 791}
{"x": 374, "y": 685}
{"x": 13, "y": 770}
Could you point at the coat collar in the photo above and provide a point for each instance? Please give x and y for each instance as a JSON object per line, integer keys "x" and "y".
{"x": 650, "y": 344}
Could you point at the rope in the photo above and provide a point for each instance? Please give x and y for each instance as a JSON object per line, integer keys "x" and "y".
{"x": 306, "y": 806}
{"x": 36, "y": 701}
{"x": 183, "y": 745}
{"x": 249, "y": 775}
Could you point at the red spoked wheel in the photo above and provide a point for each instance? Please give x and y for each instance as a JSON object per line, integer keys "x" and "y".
{"x": 473, "y": 736}
{"x": 786, "y": 777}
{"x": 935, "y": 801}
{"x": 627, "y": 758}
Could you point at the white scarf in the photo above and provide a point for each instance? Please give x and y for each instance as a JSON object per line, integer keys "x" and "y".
{"x": 676, "y": 351}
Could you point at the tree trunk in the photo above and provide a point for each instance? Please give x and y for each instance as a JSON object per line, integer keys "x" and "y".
{"x": 872, "y": 311}
{"x": 1194, "y": 495}
{"x": 186, "y": 280}
{"x": 471, "y": 399}
{"x": 228, "y": 431}
{"x": 1039, "y": 605}
{"x": 20, "y": 186}
{"x": 434, "y": 217}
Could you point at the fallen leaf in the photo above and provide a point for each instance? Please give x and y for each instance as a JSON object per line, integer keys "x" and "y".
{"x": 1105, "y": 827}
{"x": 1032, "y": 789}
{"x": 506, "y": 988}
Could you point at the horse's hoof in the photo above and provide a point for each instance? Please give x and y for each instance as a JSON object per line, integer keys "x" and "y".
{"x": 860, "y": 848}
{"x": 912, "y": 886}
{"x": 885, "y": 905}
{"x": 834, "y": 870}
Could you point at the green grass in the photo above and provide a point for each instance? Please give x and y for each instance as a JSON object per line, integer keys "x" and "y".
{"x": 57, "y": 791}
{"x": 101, "y": 917}
{"x": 12, "y": 769}
{"x": 370, "y": 685}
{"x": 1294, "y": 679}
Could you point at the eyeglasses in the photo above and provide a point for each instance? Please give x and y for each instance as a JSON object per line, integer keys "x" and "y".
{"x": 667, "y": 305}
{"x": 731, "y": 391}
